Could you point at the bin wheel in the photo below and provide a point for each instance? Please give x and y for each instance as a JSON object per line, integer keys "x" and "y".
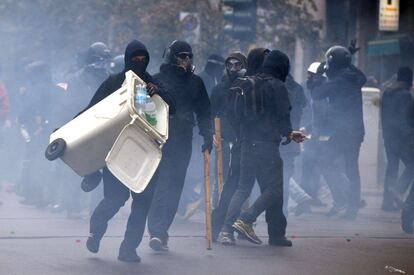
{"x": 55, "y": 149}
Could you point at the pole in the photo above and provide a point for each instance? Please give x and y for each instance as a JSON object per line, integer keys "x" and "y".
{"x": 219, "y": 155}
{"x": 207, "y": 198}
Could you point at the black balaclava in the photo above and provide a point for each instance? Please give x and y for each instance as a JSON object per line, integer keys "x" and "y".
{"x": 136, "y": 48}
{"x": 181, "y": 66}
{"x": 242, "y": 59}
{"x": 405, "y": 74}
{"x": 255, "y": 60}
{"x": 215, "y": 66}
{"x": 277, "y": 64}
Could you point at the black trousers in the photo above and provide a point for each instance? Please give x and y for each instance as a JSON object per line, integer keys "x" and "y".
{"x": 395, "y": 154}
{"x": 230, "y": 186}
{"x": 115, "y": 196}
{"x": 172, "y": 171}
{"x": 261, "y": 161}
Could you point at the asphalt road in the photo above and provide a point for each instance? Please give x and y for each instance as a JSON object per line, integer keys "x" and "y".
{"x": 35, "y": 241}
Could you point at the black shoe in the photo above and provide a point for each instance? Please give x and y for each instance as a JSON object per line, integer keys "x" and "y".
{"x": 91, "y": 181}
{"x": 226, "y": 238}
{"x": 281, "y": 241}
{"x": 158, "y": 245}
{"x": 407, "y": 220}
{"x": 92, "y": 244}
{"x": 350, "y": 214}
{"x": 317, "y": 203}
{"x": 128, "y": 256}
{"x": 246, "y": 230}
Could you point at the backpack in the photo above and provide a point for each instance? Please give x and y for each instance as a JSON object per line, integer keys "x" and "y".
{"x": 246, "y": 99}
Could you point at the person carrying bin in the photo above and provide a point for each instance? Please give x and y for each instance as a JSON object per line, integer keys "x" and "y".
{"x": 116, "y": 193}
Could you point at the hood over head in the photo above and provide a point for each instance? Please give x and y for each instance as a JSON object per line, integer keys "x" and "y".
{"x": 242, "y": 59}
{"x": 405, "y": 74}
{"x": 255, "y": 60}
{"x": 136, "y": 48}
{"x": 277, "y": 64}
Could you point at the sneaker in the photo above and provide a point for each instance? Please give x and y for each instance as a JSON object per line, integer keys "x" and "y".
{"x": 92, "y": 244}
{"x": 158, "y": 245}
{"x": 246, "y": 230}
{"x": 280, "y": 241}
{"x": 91, "y": 181}
{"x": 407, "y": 220}
{"x": 302, "y": 208}
{"x": 128, "y": 256}
{"x": 226, "y": 238}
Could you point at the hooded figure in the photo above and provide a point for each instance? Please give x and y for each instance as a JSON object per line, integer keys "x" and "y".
{"x": 398, "y": 136}
{"x": 260, "y": 159}
{"x": 192, "y": 105}
{"x": 213, "y": 72}
{"x": 115, "y": 193}
{"x": 255, "y": 60}
{"x": 236, "y": 64}
{"x": 343, "y": 90}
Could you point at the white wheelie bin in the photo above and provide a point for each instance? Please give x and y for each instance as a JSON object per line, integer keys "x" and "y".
{"x": 114, "y": 134}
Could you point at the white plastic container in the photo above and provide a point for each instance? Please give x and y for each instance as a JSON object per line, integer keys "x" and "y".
{"x": 113, "y": 134}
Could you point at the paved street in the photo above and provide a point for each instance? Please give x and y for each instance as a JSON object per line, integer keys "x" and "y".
{"x": 35, "y": 241}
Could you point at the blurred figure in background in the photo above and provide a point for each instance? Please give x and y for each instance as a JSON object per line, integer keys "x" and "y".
{"x": 40, "y": 102}
{"x": 213, "y": 72}
{"x": 117, "y": 64}
{"x": 407, "y": 215}
{"x": 343, "y": 90}
{"x": 397, "y": 136}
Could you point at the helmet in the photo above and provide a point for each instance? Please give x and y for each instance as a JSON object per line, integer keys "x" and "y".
{"x": 337, "y": 57}
{"x": 97, "y": 51}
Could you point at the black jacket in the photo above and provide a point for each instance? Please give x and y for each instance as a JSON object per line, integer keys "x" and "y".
{"x": 190, "y": 97}
{"x": 218, "y": 99}
{"x": 299, "y": 102}
{"x": 394, "y": 107}
{"x": 275, "y": 122}
{"x": 114, "y": 82}
{"x": 343, "y": 90}
{"x": 410, "y": 114}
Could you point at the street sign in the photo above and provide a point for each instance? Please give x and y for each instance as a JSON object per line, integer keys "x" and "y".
{"x": 388, "y": 19}
{"x": 190, "y": 25}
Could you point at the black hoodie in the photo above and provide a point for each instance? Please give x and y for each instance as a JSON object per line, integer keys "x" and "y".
{"x": 114, "y": 82}
{"x": 275, "y": 122}
{"x": 255, "y": 60}
{"x": 395, "y": 103}
{"x": 343, "y": 90}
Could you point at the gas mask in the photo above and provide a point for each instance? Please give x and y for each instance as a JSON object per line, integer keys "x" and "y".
{"x": 184, "y": 61}
{"x": 235, "y": 68}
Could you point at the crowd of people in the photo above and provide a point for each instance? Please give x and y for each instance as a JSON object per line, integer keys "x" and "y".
{"x": 268, "y": 121}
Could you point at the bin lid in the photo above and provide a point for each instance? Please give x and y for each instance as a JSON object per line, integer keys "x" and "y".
{"x": 134, "y": 157}
{"x": 159, "y": 132}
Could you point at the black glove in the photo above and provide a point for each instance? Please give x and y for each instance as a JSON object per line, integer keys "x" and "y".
{"x": 352, "y": 48}
{"x": 208, "y": 145}
{"x": 152, "y": 89}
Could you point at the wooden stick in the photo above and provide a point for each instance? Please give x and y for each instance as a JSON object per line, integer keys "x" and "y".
{"x": 219, "y": 155}
{"x": 207, "y": 198}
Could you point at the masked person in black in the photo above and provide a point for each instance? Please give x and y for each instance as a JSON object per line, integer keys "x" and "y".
{"x": 261, "y": 132}
{"x": 213, "y": 72}
{"x": 115, "y": 193}
{"x": 343, "y": 90}
{"x": 397, "y": 136}
{"x": 191, "y": 99}
{"x": 407, "y": 214}
{"x": 236, "y": 65}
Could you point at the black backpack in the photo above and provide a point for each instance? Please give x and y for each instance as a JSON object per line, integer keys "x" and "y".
{"x": 246, "y": 99}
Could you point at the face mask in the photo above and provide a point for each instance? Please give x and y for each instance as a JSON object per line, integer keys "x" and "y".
{"x": 234, "y": 68}
{"x": 138, "y": 64}
{"x": 185, "y": 61}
